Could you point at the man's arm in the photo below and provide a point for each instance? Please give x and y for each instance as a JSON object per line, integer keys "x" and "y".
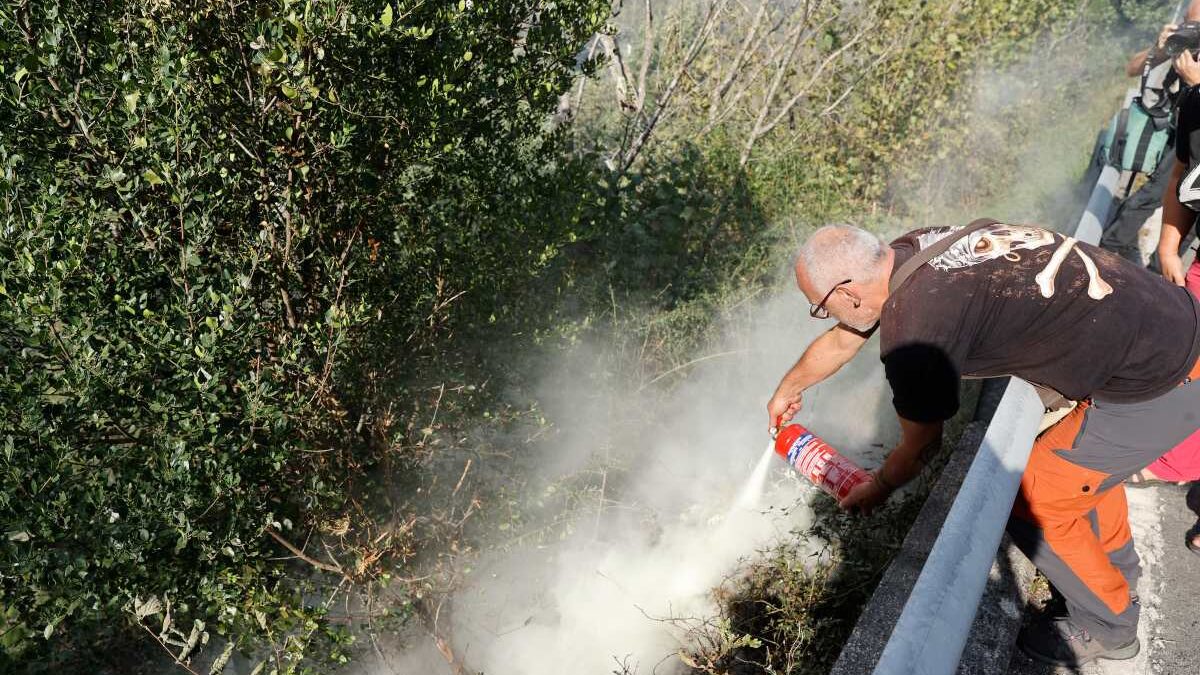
{"x": 825, "y": 356}
{"x": 918, "y": 443}
{"x": 1176, "y": 222}
{"x": 1138, "y": 61}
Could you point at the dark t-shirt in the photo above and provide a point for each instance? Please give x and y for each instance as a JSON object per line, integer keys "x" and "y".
{"x": 1187, "y": 129}
{"x": 1187, "y": 147}
{"x": 1024, "y": 301}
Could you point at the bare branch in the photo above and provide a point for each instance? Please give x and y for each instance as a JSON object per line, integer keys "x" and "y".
{"x": 664, "y": 101}
{"x": 583, "y": 80}
{"x": 736, "y": 68}
{"x": 167, "y": 649}
{"x": 616, "y": 66}
{"x": 747, "y": 84}
{"x": 776, "y": 82}
{"x": 816, "y": 75}
{"x": 647, "y": 52}
{"x": 892, "y": 46}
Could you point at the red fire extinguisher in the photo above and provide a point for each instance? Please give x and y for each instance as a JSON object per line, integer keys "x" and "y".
{"x": 817, "y": 461}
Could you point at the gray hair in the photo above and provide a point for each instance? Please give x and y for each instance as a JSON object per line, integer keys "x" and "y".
{"x": 835, "y": 253}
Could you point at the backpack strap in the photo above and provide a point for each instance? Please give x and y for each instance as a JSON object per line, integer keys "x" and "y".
{"x": 934, "y": 250}
{"x": 1143, "y": 146}
{"x": 1116, "y": 155}
{"x": 1159, "y": 87}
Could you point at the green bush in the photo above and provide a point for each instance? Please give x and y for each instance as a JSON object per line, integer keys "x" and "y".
{"x": 208, "y": 208}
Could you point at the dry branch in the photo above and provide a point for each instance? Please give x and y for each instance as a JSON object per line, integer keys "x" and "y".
{"x": 736, "y": 68}
{"x": 336, "y": 569}
{"x": 647, "y": 51}
{"x": 664, "y": 101}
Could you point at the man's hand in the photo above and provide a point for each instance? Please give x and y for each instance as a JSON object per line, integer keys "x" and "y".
{"x": 830, "y": 351}
{"x": 918, "y": 440}
{"x": 1163, "y": 35}
{"x": 783, "y": 406}
{"x": 1187, "y": 66}
{"x": 1172, "y": 268}
{"x": 865, "y": 497}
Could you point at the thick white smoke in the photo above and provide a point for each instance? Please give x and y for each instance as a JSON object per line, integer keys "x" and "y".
{"x": 599, "y": 600}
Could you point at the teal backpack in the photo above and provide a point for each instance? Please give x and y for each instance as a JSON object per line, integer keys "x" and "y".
{"x": 1133, "y": 140}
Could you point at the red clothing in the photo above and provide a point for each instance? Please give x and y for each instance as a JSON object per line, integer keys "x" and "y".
{"x": 1183, "y": 462}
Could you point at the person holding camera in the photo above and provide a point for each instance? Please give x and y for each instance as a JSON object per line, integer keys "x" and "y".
{"x": 1181, "y": 198}
{"x": 1160, "y": 89}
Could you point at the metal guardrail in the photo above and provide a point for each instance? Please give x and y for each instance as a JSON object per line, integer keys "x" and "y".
{"x": 933, "y": 627}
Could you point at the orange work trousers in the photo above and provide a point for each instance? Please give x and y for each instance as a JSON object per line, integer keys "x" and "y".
{"x": 1070, "y": 516}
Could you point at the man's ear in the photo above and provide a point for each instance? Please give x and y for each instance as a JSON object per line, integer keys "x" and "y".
{"x": 852, "y": 295}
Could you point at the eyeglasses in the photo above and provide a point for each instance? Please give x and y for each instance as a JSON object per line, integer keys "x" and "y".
{"x": 819, "y": 310}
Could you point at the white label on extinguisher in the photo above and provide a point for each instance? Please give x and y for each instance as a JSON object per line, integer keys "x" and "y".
{"x": 823, "y": 466}
{"x": 798, "y": 448}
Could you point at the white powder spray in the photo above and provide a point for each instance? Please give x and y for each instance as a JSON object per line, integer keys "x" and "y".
{"x": 693, "y": 503}
{"x": 751, "y": 494}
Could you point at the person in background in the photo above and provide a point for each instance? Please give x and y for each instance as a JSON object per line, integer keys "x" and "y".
{"x": 1122, "y": 234}
{"x": 1181, "y": 197}
{"x": 1180, "y": 203}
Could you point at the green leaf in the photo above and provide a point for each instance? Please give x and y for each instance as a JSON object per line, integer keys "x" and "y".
{"x": 152, "y": 178}
{"x": 20, "y": 74}
{"x": 386, "y": 17}
{"x": 131, "y": 101}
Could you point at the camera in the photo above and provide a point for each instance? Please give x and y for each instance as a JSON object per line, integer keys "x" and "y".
{"x": 1185, "y": 38}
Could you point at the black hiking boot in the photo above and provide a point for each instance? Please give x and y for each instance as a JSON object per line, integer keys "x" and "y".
{"x": 1060, "y": 642}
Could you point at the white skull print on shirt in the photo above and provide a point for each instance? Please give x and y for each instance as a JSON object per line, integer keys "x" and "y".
{"x": 1006, "y": 241}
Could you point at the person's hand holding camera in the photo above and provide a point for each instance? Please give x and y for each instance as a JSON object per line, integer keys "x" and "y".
{"x": 1163, "y": 35}
{"x": 1187, "y": 66}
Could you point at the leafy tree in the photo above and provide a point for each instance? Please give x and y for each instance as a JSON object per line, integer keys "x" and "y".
{"x": 207, "y": 207}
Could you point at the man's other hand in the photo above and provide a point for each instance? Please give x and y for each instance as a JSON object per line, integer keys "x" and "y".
{"x": 865, "y": 497}
{"x": 1172, "y": 268}
{"x": 1187, "y": 66}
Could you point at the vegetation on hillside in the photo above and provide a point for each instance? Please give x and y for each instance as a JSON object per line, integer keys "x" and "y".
{"x": 264, "y": 266}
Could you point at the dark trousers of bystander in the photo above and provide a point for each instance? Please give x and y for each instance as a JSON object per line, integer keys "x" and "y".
{"x": 1121, "y": 235}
